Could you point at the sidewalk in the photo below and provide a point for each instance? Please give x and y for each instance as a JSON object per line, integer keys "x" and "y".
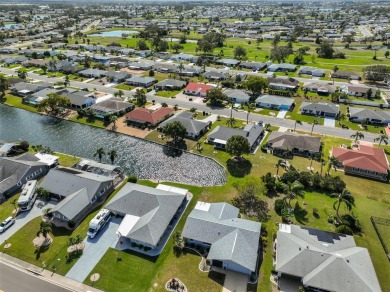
{"x": 46, "y": 275}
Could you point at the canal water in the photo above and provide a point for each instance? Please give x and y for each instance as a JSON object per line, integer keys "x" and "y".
{"x": 145, "y": 159}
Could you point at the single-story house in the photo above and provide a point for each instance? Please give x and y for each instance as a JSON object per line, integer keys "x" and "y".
{"x": 117, "y": 77}
{"x": 184, "y": 57}
{"x": 360, "y": 91}
{"x": 228, "y": 62}
{"x": 376, "y": 117}
{"x": 253, "y": 65}
{"x": 147, "y": 213}
{"x": 93, "y": 73}
{"x": 165, "y": 67}
{"x": 17, "y": 171}
{"x": 279, "y": 83}
{"x": 80, "y": 192}
{"x": 35, "y": 63}
{"x": 141, "y": 65}
{"x": 197, "y": 89}
{"x": 170, "y": 84}
{"x": 119, "y": 61}
{"x": 237, "y": 96}
{"x": 220, "y": 135}
{"x": 23, "y": 88}
{"x": 144, "y": 117}
{"x": 140, "y": 81}
{"x": 191, "y": 71}
{"x": 320, "y": 109}
{"x": 345, "y": 75}
{"x": 194, "y": 128}
{"x": 79, "y": 99}
{"x": 7, "y": 148}
{"x": 315, "y": 72}
{"x": 320, "y": 88}
{"x": 274, "y": 102}
{"x": 367, "y": 161}
{"x": 232, "y": 243}
{"x": 215, "y": 75}
{"x": 280, "y": 142}
{"x": 282, "y": 67}
{"x": 58, "y": 65}
{"x": 316, "y": 259}
{"x": 37, "y": 97}
{"x": 111, "y": 106}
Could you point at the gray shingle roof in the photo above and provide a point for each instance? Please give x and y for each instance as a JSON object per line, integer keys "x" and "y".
{"x": 321, "y": 107}
{"x": 320, "y": 257}
{"x": 65, "y": 181}
{"x": 231, "y": 238}
{"x": 274, "y": 100}
{"x": 237, "y": 93}
{"x": 71, "y": 206}
{"x": 171, "y": 82}
{"x": 13, "y": 170}
{"x": 191, "y": 125}
{"x": 155, "y": 208}
{"x": 364, "y": 113}
{"x": 251, "y": 132}
{"x": 284, "y": 140}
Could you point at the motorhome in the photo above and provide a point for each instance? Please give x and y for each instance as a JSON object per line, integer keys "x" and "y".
{"x": 98, "y": 222}
{"x": 27, "y": 197}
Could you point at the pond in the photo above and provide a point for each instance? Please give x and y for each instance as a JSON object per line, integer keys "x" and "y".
{"x": 145, "y": 159}
{"x": 113, "y": 33}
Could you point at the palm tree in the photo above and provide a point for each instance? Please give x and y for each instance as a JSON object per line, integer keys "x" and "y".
{"x": 44, "y": 229}
{"x": 14, "y": 202}
{"x": 277, "y": 165}
{"x": 119, "y": 93}
{"x": 113, "y": 155}
{"x": 316, "y": 122}
{"x": 67, "y": 81}
{"x": 341, "y": 117}
{"x": 297, "y": 122}
{"x": 382, "y": 138}
{"x": 357, "y": 136}
{"x": 343, "y": 197}
{"x": 293, "y": 191}
{"x": 333, "y": 161}
{"x": 113, "y": 119}
{"x": 286, "y": 154}
{"x": 99, "y": 152}
{"x": 231, "y": 122}
{"x": 180, "y": 68}
{"x": 3, "y": 84}
{"x": 249, "y": 111}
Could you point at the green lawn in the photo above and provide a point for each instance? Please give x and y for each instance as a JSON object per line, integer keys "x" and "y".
{"x": 88, "y": 121}
{"x": 124, "y": 87}
{"x": 16, "y": 101}
{"x": 167, "y": 93}
{"x": 23, "y": 248}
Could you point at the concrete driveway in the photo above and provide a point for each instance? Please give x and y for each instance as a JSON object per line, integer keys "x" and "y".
{"x": 330, "y": 122}
{"x": 94, "y": 250}
{"x": 235, "y": 282}
{"x": 281, "y": 114}
{"x": 25, "y": 217}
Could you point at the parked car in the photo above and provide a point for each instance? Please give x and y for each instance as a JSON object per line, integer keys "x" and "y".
{"x": 6, "y": 224}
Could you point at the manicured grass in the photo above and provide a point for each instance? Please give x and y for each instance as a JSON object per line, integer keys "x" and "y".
{"x": 17, "y": 101}
{"x": 124, "y": 87}
{"x": 67, "y": 160}
{"x": 87, "y": 121}
{"x": 23, "y": 248}
{"x": 167, "y": 93}
{"x": 7, "y": 207}
{"x": 154, "y": 136}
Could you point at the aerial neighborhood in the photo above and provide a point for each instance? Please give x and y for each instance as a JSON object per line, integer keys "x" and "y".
{"x": 195, "y": 146}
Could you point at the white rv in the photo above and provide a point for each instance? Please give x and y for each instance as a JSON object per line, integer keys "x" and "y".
{"x": 27, "y": 197}
{"x": 98, "y": 222}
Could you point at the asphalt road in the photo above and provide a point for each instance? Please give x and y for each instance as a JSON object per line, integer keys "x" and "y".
{"x": 366, "y": 33}
{"x": 254, "y": 117}
{"x": 15, "y": 280}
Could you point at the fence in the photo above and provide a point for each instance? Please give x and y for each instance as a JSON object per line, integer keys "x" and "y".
{"x": 366, "y": 103}
{"x": 375, "y": 221}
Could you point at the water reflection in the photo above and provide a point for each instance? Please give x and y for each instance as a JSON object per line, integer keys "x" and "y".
{"x": 144, "y": 159}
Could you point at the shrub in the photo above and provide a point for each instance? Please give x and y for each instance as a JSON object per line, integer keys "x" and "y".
{"x": 344, "y": 229}
{"x": 352, "y": 222}
{"x": 279, "y": 205}
{"x": 71, "y": 224}
{"x": 132, "y": 179}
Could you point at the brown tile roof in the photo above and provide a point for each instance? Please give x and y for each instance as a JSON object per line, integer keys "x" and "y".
{"x": 367, "y": 157}
{"x": 147, "y": 115}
